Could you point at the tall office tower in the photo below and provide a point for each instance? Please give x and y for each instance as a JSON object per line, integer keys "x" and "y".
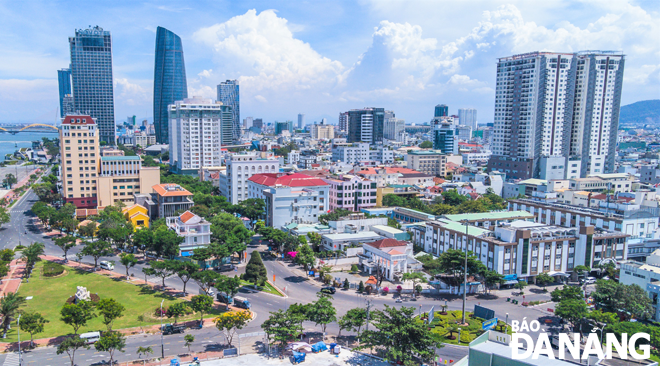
{"x": 258, "y": 122}
{"x": 198, "y": 128}
{"x": 91, "y": 78}
{"x": 599, "y": 80}
{"x": 343, "y": 121}
{"x": 228, "y": 94}
{"x": 445, "y": 137}
{"x": 283, "y": 126}
{"x": 169, "y": 80}
{"x": 394, "y": 128}
{"x": 247, "y": 122}
{"x": 67, "y": 105}
{"x": 467, "y": 117}
{"x": 366, "y": 125}
{"x": 554, "y": 113}
{"x": 441, "y": 110}
{"x": 64, "y": 83}
{"x": 301, "y": 121}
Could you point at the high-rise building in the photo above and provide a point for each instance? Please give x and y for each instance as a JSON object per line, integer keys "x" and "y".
{"x": 247, "y": 122}
{"x": 91, "y": 78}
{"x": 67, "y": 105}
{"x": 301, "y": 121}
{"x": 468, "y": 117}
{"x": 445, "y": 137}
{"x": 228, "y": 94}
{"x": 79, "y": 151}
{"x": 64, "y": 83}
{"x": 258, "y": 122}
{"x": 441, "y": 110}
{"x": 556, "y": 114}
{"x": 240, "y": 167}
{"x": 283, "y": 126}
{"x": 394, "y": 129}
{"x": 366, "y": 125}
{"x": 343, "y": 121}
{"x": 198, "y": 128}
{"x": 323, "y": 131}
{"x": 170, "y": 83}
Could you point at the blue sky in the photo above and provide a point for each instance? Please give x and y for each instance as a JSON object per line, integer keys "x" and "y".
{"x": 321, "y": 57}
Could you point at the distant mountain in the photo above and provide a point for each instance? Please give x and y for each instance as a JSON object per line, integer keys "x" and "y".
{"x": 645, "y": 111}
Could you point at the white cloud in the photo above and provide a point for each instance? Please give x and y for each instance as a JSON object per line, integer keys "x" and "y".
{"x": 261, "y": 99}
{"x": 131, "y": 93}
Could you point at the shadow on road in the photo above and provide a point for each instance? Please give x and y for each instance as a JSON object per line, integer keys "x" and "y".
{"x": 295, "y": 279}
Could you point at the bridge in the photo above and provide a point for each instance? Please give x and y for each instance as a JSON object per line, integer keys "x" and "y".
{"x": 15, "y": 131}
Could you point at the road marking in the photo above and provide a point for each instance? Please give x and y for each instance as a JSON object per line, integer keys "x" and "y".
{"x": 11, "y": 360}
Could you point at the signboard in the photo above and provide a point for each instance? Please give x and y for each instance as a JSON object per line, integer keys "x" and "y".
{"x": 489, "y": 324}
{"x": 311, "y": 273}
{"x": 483, "y": 313}
{"x": 431, "y": 314}
{"x": 230, "y": 352}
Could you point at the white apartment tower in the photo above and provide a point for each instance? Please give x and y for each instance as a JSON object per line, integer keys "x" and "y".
{"x": 343, "y": 121}
{"x": 394, "y": 129}
{"x": 240, "y": 167}
{"x": 198, "y": 128}
{"x": 554, "y": 113}
{"x": 468, "y": 117}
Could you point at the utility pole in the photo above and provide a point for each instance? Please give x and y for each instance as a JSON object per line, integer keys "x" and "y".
{"x": 465, "y": 270}
{"x": 162, "y": 345}
{"x": 368, "y": 308}
{"x": 18, "y": 325}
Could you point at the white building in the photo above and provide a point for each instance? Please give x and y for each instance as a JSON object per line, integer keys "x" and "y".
{"x": 468, "y": 117}
{"x": 391, "y": 256}
{"x": 240, "y": 167}
{"x": 198, "y": 127}
{"x": 195, "y": 230}
{"x": 360, "y": 152}
{"x": 645, "y": 275}
{"x": 394, "y": 129}
{"x": 290, "y": 197}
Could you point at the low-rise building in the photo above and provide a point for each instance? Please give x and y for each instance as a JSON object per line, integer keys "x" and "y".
{"x": 196, "y": 232}
{"x": 138, "y": 215}
{"x": 351, "y": 192}
{"x": 290, "y": 197}
{"x": 645, "y": 275}
{"x": 361, "y": 152}
{"x": 343, "y": 241}
{"x": 240, "y": 167}
{"x": 489, "y": 220}
{"x": 121, "y": 177}
{"x": 390, "y": 257}
{"x": 356, "y": 222}
{"x": 171, "y": 198}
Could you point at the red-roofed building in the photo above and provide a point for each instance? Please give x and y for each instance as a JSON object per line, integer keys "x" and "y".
{"x": 196, "y": 232}
{"x": 290, "y": 197}
{"x": 393, "y": 257}
{"x": 394, "y": 175}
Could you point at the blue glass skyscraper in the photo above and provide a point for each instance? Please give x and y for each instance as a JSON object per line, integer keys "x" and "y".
{"x": 169, "y": 80}
{"x": 64, "y": 83}
{"x": 91, "y": 78}
{"x": 228, "y": 94}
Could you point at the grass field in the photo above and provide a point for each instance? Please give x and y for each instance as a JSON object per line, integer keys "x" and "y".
{"x": 50, "y": 294}
{"x": 442, "y": 323}
{"x": 267, "y": 288}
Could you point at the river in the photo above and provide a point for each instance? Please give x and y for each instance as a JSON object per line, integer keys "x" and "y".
{"x": 10, "y": 143}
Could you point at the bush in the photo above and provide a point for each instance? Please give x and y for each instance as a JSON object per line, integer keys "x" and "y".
{"x": 386, "y": 290}
{"x": 355, "y": 269}
{"x": 158, "y": 312}
{"x": 19, "y": 248}
{"x": 6, "y": 255}
{"x": 525, "y": 303}
{"x": 51, "y": 269}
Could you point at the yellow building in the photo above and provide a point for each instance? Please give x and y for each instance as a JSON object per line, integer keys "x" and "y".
{"x": 138, "y": 215}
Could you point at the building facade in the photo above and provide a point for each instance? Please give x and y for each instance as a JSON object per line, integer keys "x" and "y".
{"x": 198, "y": 127}
{"x": 394, "y": 129}
{"x": 301, "y": 121}
{"x": 430, "y": 162}
{"x": 91, "y": 78}
{"x": 441, "y": 110}
{"x": 290, "y": 197}
{"x": 240, "y": 167}
{"x": 79, "y": 152}
{"x": 552, "y": 108}
{"x": 122, "y": 177}
{"x": 170, "y": 199}
{"x": 195, "y": 231}
{"x": 170, "y": 83}
{"x": 64, "y": 84}
{"x": 343, "y": 121}
{"x": 323, "y": 131}
{"x": 283, "y": 126}
{"x": 229, "y": 95}
{"x": 445, "y": 137}
{"x": 468, "y": 117}
{"x": 352, "y": 192}
{"x": 366, "y": 125}
{"x": 361, "y": 152}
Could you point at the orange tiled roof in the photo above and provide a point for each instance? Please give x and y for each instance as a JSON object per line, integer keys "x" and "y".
{"x": 170, "y": 190}
{"x": 386, "y": 243}
{"x": 186, "y": 216}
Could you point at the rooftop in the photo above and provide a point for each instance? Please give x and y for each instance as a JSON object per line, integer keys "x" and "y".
{"x": 120, "y": 158}
{"x": 387, "y": 229}
{"x": 362, "y": 235}
{"x": 171, "y": 190}
{"x": 287, "y": 180}
{"x": 457, "y": 226}
{"x": 387, "y": 243}
{"x": 78, "y": 120}
{"x": 499, "y": 215}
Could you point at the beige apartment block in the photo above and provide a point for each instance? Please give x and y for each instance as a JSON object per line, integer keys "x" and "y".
{"x": 121, "y": 177}
{"x": 79, "y": 152}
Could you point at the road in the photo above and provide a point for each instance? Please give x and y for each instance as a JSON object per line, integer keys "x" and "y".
{"x": 298, "y": 288}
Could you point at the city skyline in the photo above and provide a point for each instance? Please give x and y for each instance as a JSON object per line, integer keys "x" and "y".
{"x": 395, "y": 52}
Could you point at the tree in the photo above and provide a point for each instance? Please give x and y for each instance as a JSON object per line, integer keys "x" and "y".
{"x": 361, "y": 287}
{"x": 88, "y": 230}
{"x": 315, "y": 239}
{"x": 148, "y": 272}
{"x": 631, "y": 300}
{"x": 9, "y": 305}
{"x": 229, "y": 231}
{"x": 255, "y": 271}
{"x": 66, "y": 243}
{"x": 334, "y": 215}
{"x": 252, "y": 208}
{"x": 426, "y": 145}
{"x": 520, "y": 285}
{"x": 452, "y": 262}
{"x": 97, "y": 249}
{"x": 282, "y": 327}
{"x": 399, "y": 336}
{"x": 189, "y": 339}
{"x": 70, "y": 345}
{"x": 4, "y": 216}
{"x": 201, "y": 304}
{"x": 32, "y": 323}
{"x": 9, "y": 180}
{"x": 353, "y": 320}
{"x": 229, "y": 322}
{"x": 492, "y": 278}
{"x": 31, "y": 253}
{"x": 111, "y": 342}
{"x": 322, "y": 312}
{"x": 206, "y": 279}
{"x": 581, "y": 270}
{"x": 453, "y": 198}
{"x": 166, "y": 242}
{"x": 144, "y": 238}
{"x": 184, "y": 270}
{"x": 228, "y": 285}
{"x": 163, "y": 269}
{"x": 128, "y": 260}
{"x": 571, "y": 310}
{"x": 567, "y": 292}
{"x": 110, "y": 310}
{"x": 346, "y": 285}
{"x": 391, "y": 222}
{"x": 176, "y": 310}
{"x": 414, "y": 277}
{"x": 7, "y": 255}
{"x": 77, "y": 315}
{"x": 299, "y": 311}
{"x": 305, "y": 257}
{"x": 144, "y": 351}
{"x": 543, "y": 279}
{"x": 443, "y": 209}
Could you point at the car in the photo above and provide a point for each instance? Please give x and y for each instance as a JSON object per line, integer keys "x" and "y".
{"x": 107, "y": 266}
{"x": 329, "y": 290}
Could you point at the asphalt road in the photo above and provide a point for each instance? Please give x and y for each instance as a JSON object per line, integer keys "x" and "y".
{"x": 298, "y": 288}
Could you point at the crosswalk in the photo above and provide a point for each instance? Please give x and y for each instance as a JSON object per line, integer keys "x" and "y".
{"x": 18, "y": 211}
{"x": 11, "y": 360}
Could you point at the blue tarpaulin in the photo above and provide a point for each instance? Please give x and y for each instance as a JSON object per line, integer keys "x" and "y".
{"x": 319, "y": 347}
{"x": 298, "y": 357}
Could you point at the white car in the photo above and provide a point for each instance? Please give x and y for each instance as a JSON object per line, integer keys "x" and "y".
{"x": 589, "y": 280}
{"x": 107, "y": 266}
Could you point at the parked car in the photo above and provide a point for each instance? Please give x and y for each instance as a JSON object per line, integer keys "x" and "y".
{"x": 107, "y": 266}
{"x": 91, "y": 337}
{"x": 589, "y": 280}
{"x": 329, "y": 290}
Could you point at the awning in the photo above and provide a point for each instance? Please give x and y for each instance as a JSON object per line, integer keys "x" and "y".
{"x": 512, "y": 282}
{"x": 555, "y": 273}
{"x": 186, "y": 254}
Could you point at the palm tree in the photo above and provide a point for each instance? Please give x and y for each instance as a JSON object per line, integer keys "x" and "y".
{"x": 452, "y": 328}
{"x": 8, "y": 307}
{"x": 32, "y": 252}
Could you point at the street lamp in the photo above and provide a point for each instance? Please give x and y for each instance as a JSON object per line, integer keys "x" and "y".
{"x": 506, "y": 324}
{"x": 162, "y": 346}
{"x": 465, "y": 222}
{"x": 18, "y": 325}
{"x": 459, "y": 335}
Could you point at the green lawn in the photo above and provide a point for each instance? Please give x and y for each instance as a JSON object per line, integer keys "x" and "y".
{"x": 50, "y": 294}
{"x": 441, "y": 324}
{"x": 267, "y": 288}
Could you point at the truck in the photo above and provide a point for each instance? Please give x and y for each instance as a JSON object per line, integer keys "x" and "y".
{"x": 224, "y": 298}
{"x": 173, "y": 328}
{"x": 241, "y": 302}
